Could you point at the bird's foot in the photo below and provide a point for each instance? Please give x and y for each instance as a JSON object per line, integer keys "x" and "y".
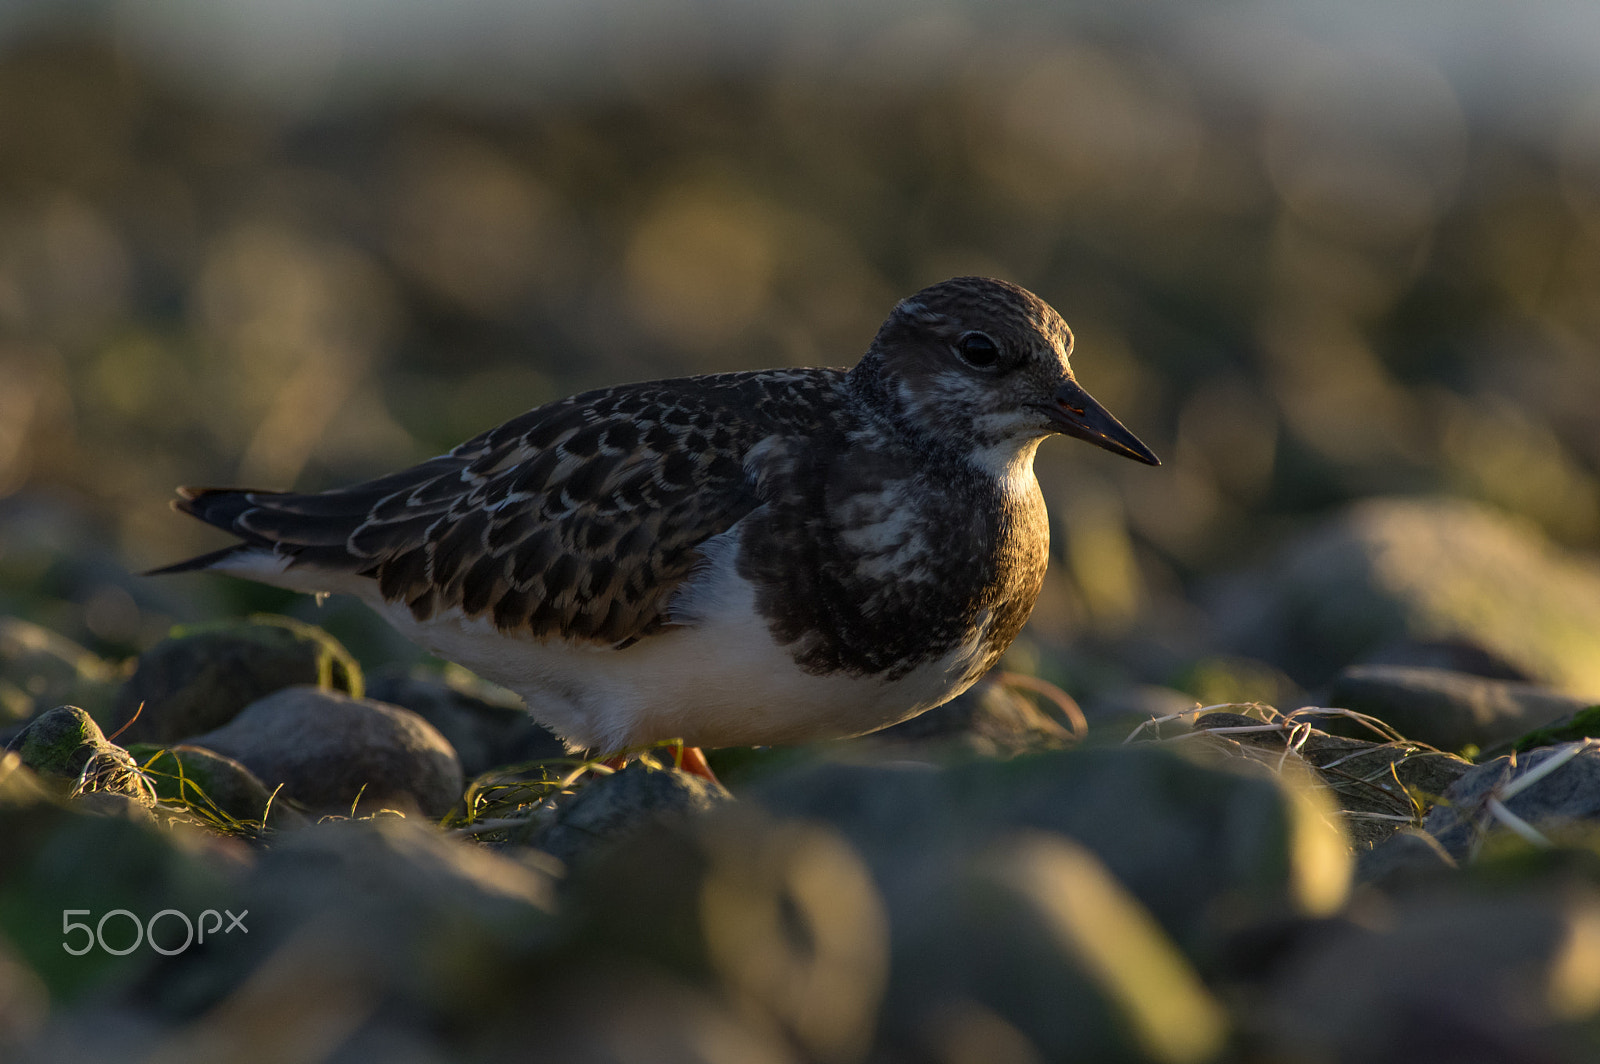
{"x": 690, "y": 759}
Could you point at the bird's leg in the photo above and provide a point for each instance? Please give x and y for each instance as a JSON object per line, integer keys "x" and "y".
{"x": 692, "y": 760}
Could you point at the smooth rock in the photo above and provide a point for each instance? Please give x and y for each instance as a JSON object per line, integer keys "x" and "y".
{"x": 40, "y": 669}
{"x": 1373, "y": 783}
{"x": 95, "y": 856}
{"x": 198, "y": 678}
{"x": 355, "y": 921}
{"x": 991, "y": 719}
{"x": 781, "y": 915}
{"x": 20, "y": 786}
{"x": 212, "y": 783}
{"x": 1192, "y": 840}
{"x": 1031, "y": 937}
{"x": 1584, "y": 724}
{"x": 1566, "y": 795}
{"x": 1452, "y": 655}
{"x": 488, "y": 726}
{"x": 611, "y": 808}
{"x": 1450, "y": 710}
{"x": 328, "y": 749}
{"x": 617, "y": 1012}
{"x": 1408, "y": 855}
{"x": 70, "y": 754}
{"x": 1464, "y": 974}
{"x": 1124, "y": 707}
{"x": 1426, "y": 570}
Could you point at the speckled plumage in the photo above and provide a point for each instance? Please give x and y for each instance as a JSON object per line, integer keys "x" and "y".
{"x": 879, "y": 523}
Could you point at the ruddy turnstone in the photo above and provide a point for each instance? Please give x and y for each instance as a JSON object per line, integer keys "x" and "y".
{"x": 738, "y": 559}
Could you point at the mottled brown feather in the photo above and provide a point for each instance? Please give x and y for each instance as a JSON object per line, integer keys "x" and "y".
{"x": 577, "y": 520}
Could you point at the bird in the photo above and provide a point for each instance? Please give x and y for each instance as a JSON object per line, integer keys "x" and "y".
{"x": 753, "y": 558}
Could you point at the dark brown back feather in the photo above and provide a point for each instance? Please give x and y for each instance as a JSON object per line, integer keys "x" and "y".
{"x": 577, "y": 519}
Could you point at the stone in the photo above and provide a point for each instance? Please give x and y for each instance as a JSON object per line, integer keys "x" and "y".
{"x": 63, "y": 855}
{"x": 1552, "y": 790}
{"x": 1232, "y": 680}
{"x": 20, "y": 786}
{"x": 611, "y": 1011}
{"x": 488, "y": 726}
{"x": 328, "y": 750}
{"x": 198, "y": 678}
{"x": 1449, "y": 710}
{"x": 613, "y": 807}
{"x": 1377, "y": 786}
{"x": 1453, "y": 655}
{"x": 781, "y": 915}
{"x": 1122, "y": 708}
{"x": 1463, "y": 972}
{"x": 991, "y": 719}
{"x": 381, "y": 918}
{"x": 213, "y": 784}
{"x": 69, "y": 753}
{"x": 1408, "y": 855}
{"x": 1192, "y": 840}
{"x": 1426, "y": 570}
{"x": 1032, "y": 939}
{"x": 24, "y": 1002}
{"x": 40, "y": 669}
{"x": 1584, "y": 724}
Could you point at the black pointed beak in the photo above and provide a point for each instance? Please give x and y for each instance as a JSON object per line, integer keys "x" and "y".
{"x": 1075, "y": 413}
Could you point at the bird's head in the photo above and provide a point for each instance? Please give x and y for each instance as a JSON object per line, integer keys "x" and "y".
{"x": 986, "y": 361}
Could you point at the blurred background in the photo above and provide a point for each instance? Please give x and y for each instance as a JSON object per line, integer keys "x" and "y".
{"x": 1312, "y": 253}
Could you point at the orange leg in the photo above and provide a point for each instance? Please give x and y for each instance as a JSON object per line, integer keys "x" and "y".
{"x": 693, "y": 761}
{"x": 690, "y": 759}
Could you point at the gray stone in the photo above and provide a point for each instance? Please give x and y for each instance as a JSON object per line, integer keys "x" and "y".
{"x": 1133, "y": 704}
{"x": 98, "y": 853}
{"x": 1030, "y": 940}
{"x": 1427, "y": 570}
{"x": 782, "y": 915}
{"x": 612, "y": 807}
{"x": 328, "y": 749}
{"x": 70, "y": 754}
{"x": 1584, "y": 724}
{"x": 1373, "y": 783}
{"x": 1566, "y": 794}
{"x": 1180, "y": 833}
{"x": 488, "y": 726}
{"x": 1449, "y": 710}
{"x": 991, "y": 719}
{"x": 1463, "y": 972}
{"x": 40, "y": 669}
{"x": 1408, "y": 855}
{"x": 117, "y": 804}
{"x": 613, "y": 1011}
{"x": 213, "y": 784}
{"x": 350, "y": 919}
{"x": 197, "y": 679}
{"x": 1452, "y": 655}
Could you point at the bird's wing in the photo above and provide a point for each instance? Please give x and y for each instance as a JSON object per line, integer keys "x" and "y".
{"x": 576, "y": 520}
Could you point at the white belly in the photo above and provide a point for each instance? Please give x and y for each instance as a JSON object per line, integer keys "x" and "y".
{"x": 716, "y": 678}
{"x": 720, "y": 681}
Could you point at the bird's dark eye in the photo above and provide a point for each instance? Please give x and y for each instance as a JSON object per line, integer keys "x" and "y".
{"x": 978, "y": 349}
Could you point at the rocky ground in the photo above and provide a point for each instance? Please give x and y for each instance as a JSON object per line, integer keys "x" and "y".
{"x": 239, "y": 847}
{"x": 1346, "y": 289}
